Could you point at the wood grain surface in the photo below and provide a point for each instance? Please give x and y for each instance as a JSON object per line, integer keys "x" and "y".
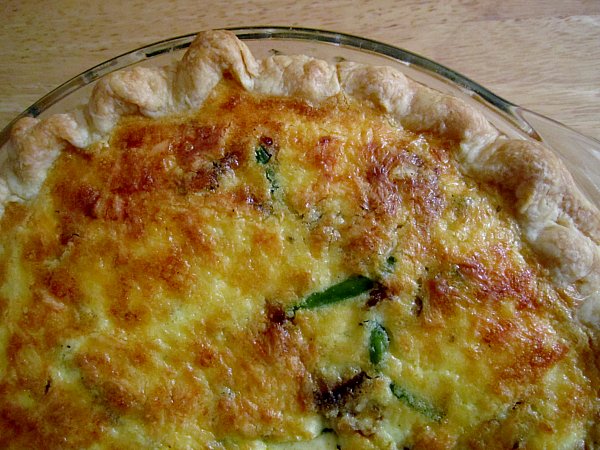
{"x": 542, "y": 55}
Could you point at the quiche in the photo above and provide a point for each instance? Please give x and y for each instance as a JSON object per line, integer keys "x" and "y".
{"x": 232, "y": 253}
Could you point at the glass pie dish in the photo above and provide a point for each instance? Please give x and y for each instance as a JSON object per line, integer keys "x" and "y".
{"x": 580, "y": 153}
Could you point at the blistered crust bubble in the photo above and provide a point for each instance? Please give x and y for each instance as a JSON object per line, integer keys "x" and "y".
{"x": 297, "y": 76}
{"x": 212, "y": 54}
{"x": 559, "y": 223}
{"x": 383, "y": 86}
{"x": 143, "y": 90}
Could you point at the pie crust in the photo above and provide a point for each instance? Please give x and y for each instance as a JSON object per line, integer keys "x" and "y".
{"x": 560, "y": 224}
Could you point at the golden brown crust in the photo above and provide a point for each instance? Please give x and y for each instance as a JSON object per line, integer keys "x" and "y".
{"x": 143, "y": 90}
{"x": 210, "y": 56}
{"x": 33, "y": 147}
{"x": 560, "y": 224}
{"x": 297, "y": 76}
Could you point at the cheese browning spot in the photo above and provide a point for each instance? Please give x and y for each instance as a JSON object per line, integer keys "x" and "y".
{"x": 269, "y": 270}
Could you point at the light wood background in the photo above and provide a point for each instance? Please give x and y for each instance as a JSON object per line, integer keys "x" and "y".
{"x": 544, "y": 55}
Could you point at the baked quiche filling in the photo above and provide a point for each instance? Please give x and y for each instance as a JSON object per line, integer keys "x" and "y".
{"x": 270, "y": 273}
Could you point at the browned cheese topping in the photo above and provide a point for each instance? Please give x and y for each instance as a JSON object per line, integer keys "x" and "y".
{"x": 265, "y": 273}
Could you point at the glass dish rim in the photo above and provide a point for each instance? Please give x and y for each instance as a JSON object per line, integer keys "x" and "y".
{"x": 506, "y": 108}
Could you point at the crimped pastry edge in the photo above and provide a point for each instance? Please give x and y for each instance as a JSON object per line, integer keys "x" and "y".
{"x": 560, "y": 224}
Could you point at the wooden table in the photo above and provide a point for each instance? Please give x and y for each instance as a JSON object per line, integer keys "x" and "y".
{"x": 541, "y": 55}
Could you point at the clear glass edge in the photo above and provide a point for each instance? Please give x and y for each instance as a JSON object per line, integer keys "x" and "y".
{"x": 500, "y": 105}
{"x": 509, "y": 111}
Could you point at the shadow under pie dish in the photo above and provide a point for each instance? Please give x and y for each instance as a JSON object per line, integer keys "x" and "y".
{"x": 286, "y": 252}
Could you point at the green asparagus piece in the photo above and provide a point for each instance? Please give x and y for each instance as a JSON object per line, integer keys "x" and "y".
{"x": 379, "y": 343}
{"x": 262, "y": 155}
{"x": 348, "y": 288}
{"x": 417, "y": 403}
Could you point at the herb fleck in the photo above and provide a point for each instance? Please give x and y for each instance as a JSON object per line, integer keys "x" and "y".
{"x": 262, "y": 155}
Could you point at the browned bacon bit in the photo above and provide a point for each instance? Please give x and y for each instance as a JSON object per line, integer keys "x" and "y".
{"x": 231, "y": 160}
{"x": 275, "y": 313}
{"x": 330, "y": 398}
{"x": 418, "y": 306}
{"x": 377, "y": 294}
{"x": 266, "y": 140}
{"x": 207, "y": 178}
{"x": 204, "y": 179}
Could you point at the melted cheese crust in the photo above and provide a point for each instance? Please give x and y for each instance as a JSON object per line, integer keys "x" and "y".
{"x": 145, "y": 294}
